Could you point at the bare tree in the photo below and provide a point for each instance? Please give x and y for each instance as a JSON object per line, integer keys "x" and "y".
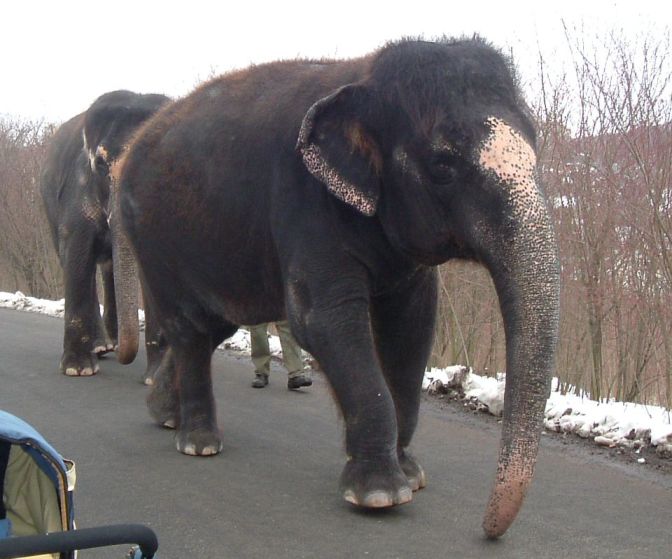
{"x": 27, "y": 259}
{"x": 607, "y": 151}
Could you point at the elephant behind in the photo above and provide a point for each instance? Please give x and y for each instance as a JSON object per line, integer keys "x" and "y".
{"x": 326, "y": 192}
{"x": 75, "y": 188}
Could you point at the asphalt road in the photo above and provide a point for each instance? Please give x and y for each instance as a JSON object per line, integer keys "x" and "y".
{"x": 272, "y": 492}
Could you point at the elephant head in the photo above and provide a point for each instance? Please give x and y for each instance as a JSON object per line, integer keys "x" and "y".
{"x": 110, "y": 123}
{"x": 109, "y": 126}
{"x": 437, "y": 143}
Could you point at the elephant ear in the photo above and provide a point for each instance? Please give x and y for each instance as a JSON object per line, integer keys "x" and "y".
{"x": 339, "y": 150}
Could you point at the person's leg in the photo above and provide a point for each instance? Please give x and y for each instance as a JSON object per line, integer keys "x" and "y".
{"x": 261, "y": 355}
{"x": 291, "y": 357}
{"x": 291, "y": 352}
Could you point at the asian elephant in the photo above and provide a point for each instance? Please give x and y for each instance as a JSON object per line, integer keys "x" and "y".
{"x": 75, "y": 188}
{"x": 326, "y": 192}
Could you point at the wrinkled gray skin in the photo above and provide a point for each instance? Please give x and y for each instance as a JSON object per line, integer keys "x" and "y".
{"x": 75, "y": 186}
{"x": 326, "y": 192}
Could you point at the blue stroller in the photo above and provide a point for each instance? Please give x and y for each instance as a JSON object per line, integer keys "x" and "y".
{"x": 36, "y": 509}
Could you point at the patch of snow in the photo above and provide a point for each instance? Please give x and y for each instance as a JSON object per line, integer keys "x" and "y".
{"x": 435, "y": 379}
{"x": 486, "y": 392}
{"x": 20, "y": 302}
{"x": 609, "y": 424}
{"x": 240, "y": 341}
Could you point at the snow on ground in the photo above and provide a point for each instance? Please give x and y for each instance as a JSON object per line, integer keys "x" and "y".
{"x": 20, "y": 302}
{"x": 607, "y": 423}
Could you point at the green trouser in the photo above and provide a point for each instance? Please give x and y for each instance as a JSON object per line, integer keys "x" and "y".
{"x": 261, "y": 353}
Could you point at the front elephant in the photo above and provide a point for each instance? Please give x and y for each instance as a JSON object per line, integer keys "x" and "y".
{"x": 75, "y": 188}
{"x": 326, "y": 192}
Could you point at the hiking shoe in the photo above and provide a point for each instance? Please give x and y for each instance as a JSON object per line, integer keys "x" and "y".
{"x": 260, "y": 380}
{"x": 297, "y": 381}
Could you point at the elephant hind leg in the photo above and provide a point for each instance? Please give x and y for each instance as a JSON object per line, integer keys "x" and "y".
{"x": 107, "y": 331}
{"x": 181, "y": 396}
{"x": 102, "y": 345}
{"x": 197, "y": 433}
{"x": 162, "y": 401}
{"x": 155, "y": 342}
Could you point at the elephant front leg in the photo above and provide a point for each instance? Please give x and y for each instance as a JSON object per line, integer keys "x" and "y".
{"x": 403, "y": 325}
{"x": 81, "y": 312}
{"x": 341, "y": 341}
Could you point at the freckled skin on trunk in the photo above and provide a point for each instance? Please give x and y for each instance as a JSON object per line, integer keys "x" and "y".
{"x": 531, "y": 322}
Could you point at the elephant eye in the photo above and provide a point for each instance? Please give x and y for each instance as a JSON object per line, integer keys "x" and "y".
{"x": 443, "y": 166}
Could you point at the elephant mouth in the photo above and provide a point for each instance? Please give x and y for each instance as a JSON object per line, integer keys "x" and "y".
{"x": 427, "y": 259}
{"x": 430, "y": 256}
{"x": 101, "y": 167}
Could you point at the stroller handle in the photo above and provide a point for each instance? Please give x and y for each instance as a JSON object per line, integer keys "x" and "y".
{"x": 85, "y": 538}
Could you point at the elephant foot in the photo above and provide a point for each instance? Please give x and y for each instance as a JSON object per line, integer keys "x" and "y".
{"x": 163, "y": 406}
{"x": 414, "y": 471}
{"x": 103, "y": 348}
{"x": 79, "y": 366}
{"x": 199, "y": 442}
{"x": 150, "y": 373}
{"x": 375, "y": 484}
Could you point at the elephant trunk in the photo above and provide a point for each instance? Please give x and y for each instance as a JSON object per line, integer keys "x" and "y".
{"x": 525, "y": 269}
{"x": 529, "y": 302}
{"x": 125, "y": 277}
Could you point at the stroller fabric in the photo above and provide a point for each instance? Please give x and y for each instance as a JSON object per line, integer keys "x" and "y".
{"x": 36, "y": 482}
